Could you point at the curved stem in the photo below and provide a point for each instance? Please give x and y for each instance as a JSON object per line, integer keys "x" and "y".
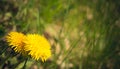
{"x": 3, "y": 50}
{"x": 25, "y": 63}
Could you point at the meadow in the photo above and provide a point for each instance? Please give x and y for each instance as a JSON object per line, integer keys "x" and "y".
{"x": 83, "y": 34}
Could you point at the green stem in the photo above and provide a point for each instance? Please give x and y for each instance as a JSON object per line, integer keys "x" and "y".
{"x": 4, "y": 60}
{"x": 24, "y": 66}
{"x": 3, "y": 50}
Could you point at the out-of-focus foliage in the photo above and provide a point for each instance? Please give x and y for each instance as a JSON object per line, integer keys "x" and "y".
{"x": 84, "y": 34}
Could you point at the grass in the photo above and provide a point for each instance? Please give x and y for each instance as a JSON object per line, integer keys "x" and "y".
{"x": 83, "y": 34}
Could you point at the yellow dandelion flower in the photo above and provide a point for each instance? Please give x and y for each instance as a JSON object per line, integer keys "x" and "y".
{"x": 15, "y": 40}
{"x": 38, "y": 47}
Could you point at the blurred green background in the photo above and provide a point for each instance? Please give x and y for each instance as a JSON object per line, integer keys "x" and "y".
{"x": 84, "y": 34}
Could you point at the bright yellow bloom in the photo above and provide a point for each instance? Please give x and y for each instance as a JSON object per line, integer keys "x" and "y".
{"x": 15, "y": 40}
{"x": 38, "y": 47}
{"x": 32, "y": 44}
